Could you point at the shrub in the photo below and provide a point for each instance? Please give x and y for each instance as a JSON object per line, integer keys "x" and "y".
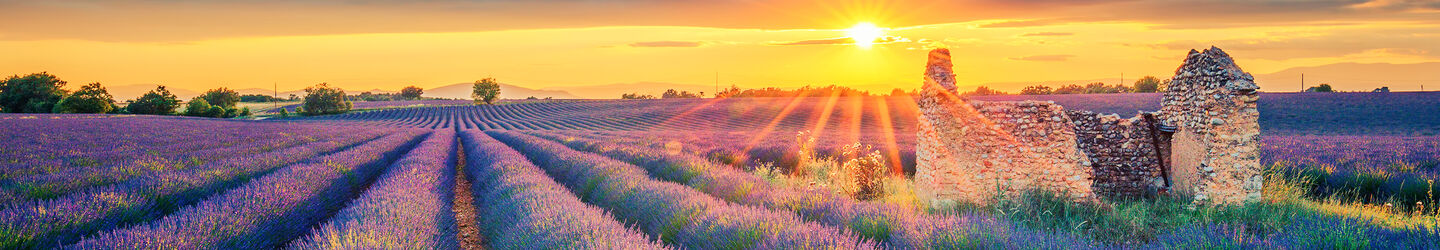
{"x": 91, "y": 98}
{"x": 284, "y": 113}
{"x": 983, "y": 91}
{"x": 258, "y": 98}
{"x": 323, "y": 100}
{"x": 1037, "y": 90}
{"x": 485, "y": 91}
{"x": 411, "y": 92}
{"x": 1148, "y": 84}
{"x": 33, "y": 93}
{"x": 636, "y": 96}
{"x": 155, "y": 102}
{"x": 198, "y": 107}
{"x": 671, "y": 93}
{"x": 221, "y": 97}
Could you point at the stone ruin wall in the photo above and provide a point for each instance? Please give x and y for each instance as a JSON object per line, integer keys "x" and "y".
{"x": 1123, "y": 152}
{"x": 1216, "y": 148}
{"x": 968, "y": 150}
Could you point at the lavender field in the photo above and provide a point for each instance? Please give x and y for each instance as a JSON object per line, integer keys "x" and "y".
{"x": 664, "y": 174}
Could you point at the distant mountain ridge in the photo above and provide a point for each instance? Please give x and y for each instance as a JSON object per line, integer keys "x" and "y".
{"x": 507, "y": 91}
{"x": 1341, "y": 76}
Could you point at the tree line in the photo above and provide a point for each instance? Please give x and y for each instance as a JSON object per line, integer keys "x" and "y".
{"x": 1147, "y": 84}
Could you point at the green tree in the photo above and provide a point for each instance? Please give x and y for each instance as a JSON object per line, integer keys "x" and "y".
{"x": 1037, "y": 90}
{"x": 33, "y": 93}
{"x": 411, "y": 93}
{"x": 323, "y": 100}
{"x": 1147, "y": 84}
{"x": 486, "y": 91}
{"x": 198, "y": 107}
{"x": 221, "y": 97}
{"x": 284, "y": 113}
{"x": 155, "y": 102}
{"x": 219, "y": 112}
{"x": 1324, "y": 87}
{"x": 984, "y": 91}
{"x": 91, "y": 98}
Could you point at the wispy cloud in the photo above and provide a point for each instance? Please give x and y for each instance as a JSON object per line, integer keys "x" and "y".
{"x": 842, "y": 40}
{"x": 1044, "y": 58}
{"x": 667, "y": 44}
{"x": 1049, "y": 34}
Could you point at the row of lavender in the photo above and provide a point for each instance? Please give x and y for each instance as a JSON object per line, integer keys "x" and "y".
{"x": 674, "y": 213}
{"x": 269, "y": 211}
{"x": 523, "y": 208}
{"x": 408, "y": 207}
{"x": 59, "y": 143}
{"x": 80, "y": 212}
{"x": 908, "y": 229}
{"x": 60, "y": 182}
{"x": 891, "y": 225}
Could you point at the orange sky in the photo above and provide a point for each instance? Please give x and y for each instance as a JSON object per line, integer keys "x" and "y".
{"x": 557, "y": 43}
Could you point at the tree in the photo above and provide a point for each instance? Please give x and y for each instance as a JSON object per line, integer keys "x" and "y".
{"x": 284, "y": 113}
{"x": 1147, "y": 84}
{"x": 33, "y": 93}
{"x": 672, "y": 93}
{"x": 221, "y": 97}
{"x": 198, "y": 107}
{"x": 1324, "y": 87}
{"x": 486, "y": 91}
{"x": 983, "y": 91}
{"x": 897, "y": 92}
{"x": 258, "y": 98}
{"x": 322, "y": 100}
{"x": 411, "y": 93}
{"x": 155, "y": 102}
{"x": 1070, "y": 89}
{"x": 1037, "y": 90}
{"x": 636, "y": 96}
{"x": 91, "y": 98}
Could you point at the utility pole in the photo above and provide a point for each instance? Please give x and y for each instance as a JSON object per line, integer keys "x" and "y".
{"x": 717, "y": 83}
{"x": 1122, "y": 78}
{"x": 276, "y": 88}
{"x": 1302, "y": 82}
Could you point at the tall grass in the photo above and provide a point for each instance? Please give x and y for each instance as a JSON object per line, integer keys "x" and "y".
{"x": 1288, "y": 210}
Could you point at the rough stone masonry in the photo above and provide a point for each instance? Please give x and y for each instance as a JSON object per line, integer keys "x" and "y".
{"x": 1203, "y": 143}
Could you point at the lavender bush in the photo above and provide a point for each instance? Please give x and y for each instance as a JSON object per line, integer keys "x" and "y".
{"x": 266, "y": 212}
{"x": 674, "y": 213}
{"x": 141, "y": 199}
{"x": 409, "y": 207}
{"x": 523, "y": 208}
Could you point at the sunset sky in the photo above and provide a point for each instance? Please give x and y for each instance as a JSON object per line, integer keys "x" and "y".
{"x": 552, "y": 44}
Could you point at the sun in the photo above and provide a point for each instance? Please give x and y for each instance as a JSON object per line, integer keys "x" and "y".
{"x": 864, "y": 34}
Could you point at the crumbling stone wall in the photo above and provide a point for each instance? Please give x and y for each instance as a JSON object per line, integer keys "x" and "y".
{"x": 1216, "y": 146}
{"x": 1123, "y": 153}
{"x": 968, "y": 151}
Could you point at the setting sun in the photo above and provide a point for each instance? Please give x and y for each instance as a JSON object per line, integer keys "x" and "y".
{"x": 864, "y": 34}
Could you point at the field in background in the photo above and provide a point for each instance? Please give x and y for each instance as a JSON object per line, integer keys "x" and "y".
{"x": 674, "y": 172}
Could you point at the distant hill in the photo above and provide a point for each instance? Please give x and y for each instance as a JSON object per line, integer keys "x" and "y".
{"x": 507, "y": 91}
{"x": 130, "y": 92}
{"x": 1355, "y": 77}
{"x": 1341, "y": 76}
{"x": 614, "y": 90}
